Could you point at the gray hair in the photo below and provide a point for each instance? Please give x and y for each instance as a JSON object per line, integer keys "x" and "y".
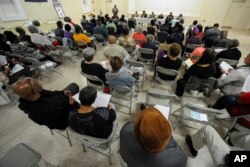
{"x": 233, "y": 43}
{"x": 138, "y": 29}
{"x": 32, "y": 29}
{"x": 150, "y": 38}
{"x": 88, "y": 53}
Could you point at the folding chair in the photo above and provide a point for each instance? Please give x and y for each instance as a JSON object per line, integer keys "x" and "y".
{"x": 60, "y": 132}
{"x": 157, "y": 43}
{"x": 90, "y": 78}
{"x": 147, "y": 55}
{"x": 165, "y": 71}
{"x": 136, "y": 66}
{"x": 121, "y": 92}
{"x": 93, "y": 142}
{"x": 189, "y": 48}
{"x": 68, "y": 54}
{"x": 4, "y": 98}
{"x": 196, "y": 113}
{"x": 154, "y": 97}
{"x": 21, "y": 156}
{"x": 99, "y": 40}
{"x": 233, "y": 63}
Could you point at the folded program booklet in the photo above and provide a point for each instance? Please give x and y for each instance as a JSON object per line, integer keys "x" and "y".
{"x": 225, "y": 66}
{"x": 165, "y": 110}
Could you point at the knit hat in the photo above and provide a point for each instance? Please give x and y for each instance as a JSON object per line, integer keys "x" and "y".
{"x": 152, "y": 130}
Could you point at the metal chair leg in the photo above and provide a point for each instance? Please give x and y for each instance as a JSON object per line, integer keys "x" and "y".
{"x": 110, "y": 162}
{"x": 67, "y": 133}
{"x": 51, "y": 132}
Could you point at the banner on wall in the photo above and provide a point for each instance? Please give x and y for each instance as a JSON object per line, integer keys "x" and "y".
{"x": 58, "y": 8}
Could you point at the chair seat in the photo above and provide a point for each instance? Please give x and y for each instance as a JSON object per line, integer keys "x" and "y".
{"x": 21, "y": 156}
{"x": 121, "y": 95}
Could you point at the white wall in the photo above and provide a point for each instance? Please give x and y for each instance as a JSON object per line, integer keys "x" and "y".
{"x": 221, "y": 11}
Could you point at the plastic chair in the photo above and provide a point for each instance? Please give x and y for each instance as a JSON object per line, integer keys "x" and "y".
{"x": 21, "y": 156}
{"x": 165, "y": 71}
{"x": 136, "y": 66}
{"x": 60, "y": 132}
{"x": 121, "y": 92}
{"x": 90, "y": 78}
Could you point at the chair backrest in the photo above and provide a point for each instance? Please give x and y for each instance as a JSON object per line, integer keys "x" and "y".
{"x": 190, "y": 47}
{"x": 87, "y": 34}
{"x": 93, "y": 78}
{"x": 177, "y": 38}
{"x": 162, "y": 36}
{"x": 151, "y": 30}
{"x": 134, "y": 63}
{"x": 205, "y": 86}
{"x": 99, "y": 37}
{"x": 111, "y": 30}
{"x": 131, "y": 23}
{"x": 146, "y": 54}
{"x": 166, "y": 71}
{"x": 155, "y": 97}
{"x": 233, "y": 63}
{"x": 119, "y": 88}
{"x": 157, "y": 43}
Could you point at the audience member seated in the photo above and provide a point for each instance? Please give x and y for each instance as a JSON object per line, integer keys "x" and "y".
{"x": 152, "y": 29}
{"x": 222, "y": 41}
{"x": 237, "y": 75}
{"x": 68, "y": 21}
{"x": 23, "y": 37}
{"x": 163, "y": 47}
{"x": 3, "y": 45}
{"x": 91, "y": 121}
{"x": 151, "y": 16}
{"x": 149, "y": 44}
{"x": 113, "y": 49}
{"x": 236, "y": 106}
{"x": 217, "y": 147}
{"x": 178, "y": 35}
{"x": 170, "y": 60}
{"x": 232, "y": 52}
{"x": 125, "y": 40}
{"x": 180, "y": 17}
{"x": 138, "y": 36}
{"x": 79, "y": 36}
{"x": 59, "y": 30}
{"x": 110, "y": 23}
{"x": 150, "y": 140}
{"x": 84, "y": 21}
{"x": 91, "y": 68}
{"x": 99, "y": 29}
{"x": 38, "y": 38}
{"x": 203, "y": 69}
{"x": 67, "y": 32}
{"x": 50, "y": 108}
{"x": 193, "y": 38}
{"x": 144, "y": 14}
{"x": 131, "y": 22}
{"x": 212, "y": 33}
{"x": 37, "y": 24}
{"x": 200, "y": 28}
{"x": 122, "y": 19}
{"x": 191, "y": 27}
{"x": 119, "y": 74}
{"x": 197, "y": 52}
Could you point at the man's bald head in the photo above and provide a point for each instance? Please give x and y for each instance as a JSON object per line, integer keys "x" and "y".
{"x": 27, "y": 88}
{"x": 112, "y": 39}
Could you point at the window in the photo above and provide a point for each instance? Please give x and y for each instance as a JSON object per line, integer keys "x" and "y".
{"x": 11, "y": 10}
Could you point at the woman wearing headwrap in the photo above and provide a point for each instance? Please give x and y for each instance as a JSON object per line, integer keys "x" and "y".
{"x": 148, "y": 142}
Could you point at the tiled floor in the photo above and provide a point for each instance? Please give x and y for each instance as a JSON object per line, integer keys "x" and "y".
{"x": 16, "y": 127}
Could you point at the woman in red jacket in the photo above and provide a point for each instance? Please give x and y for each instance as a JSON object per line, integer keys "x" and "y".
{"x": 236, "y": 106}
